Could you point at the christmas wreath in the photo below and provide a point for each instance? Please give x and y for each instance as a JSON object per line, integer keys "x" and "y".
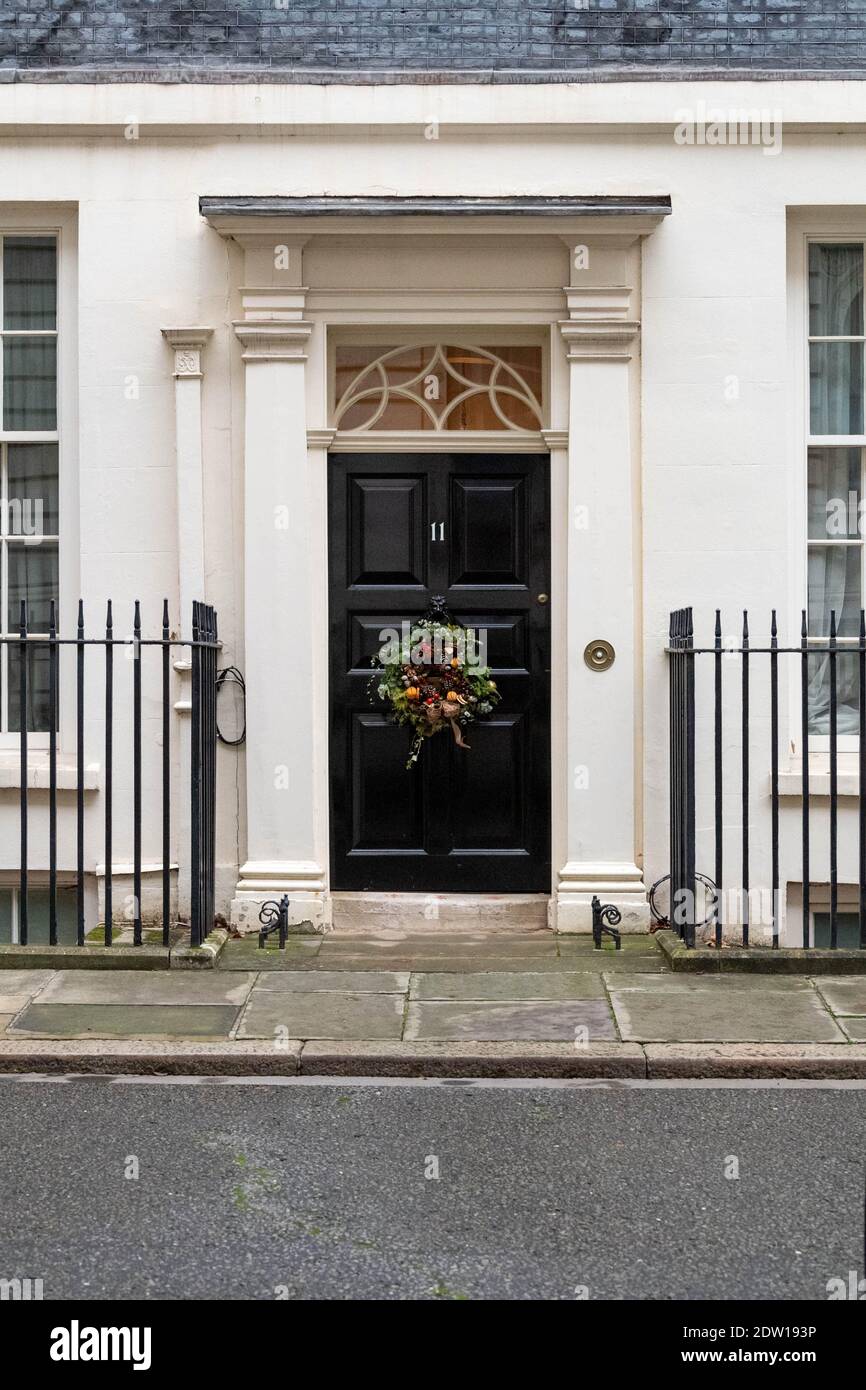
{"x": 431, "y": 678}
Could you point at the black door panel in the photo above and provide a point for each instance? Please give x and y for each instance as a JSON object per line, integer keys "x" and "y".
{"x": 386, "y": 531}
{"x": 475, "y": 528}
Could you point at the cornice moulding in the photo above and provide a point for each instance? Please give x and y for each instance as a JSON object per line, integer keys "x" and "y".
{"x": 273, "y": 341}
{"x": 599, "y": 338}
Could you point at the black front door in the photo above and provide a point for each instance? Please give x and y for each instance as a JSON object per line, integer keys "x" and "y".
{"x": 476, "y": 528}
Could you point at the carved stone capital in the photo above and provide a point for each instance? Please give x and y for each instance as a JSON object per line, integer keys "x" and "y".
{"x": 187, "y": 344}
{"x": 274, "y": 340}
{"x": 599, "y": 339}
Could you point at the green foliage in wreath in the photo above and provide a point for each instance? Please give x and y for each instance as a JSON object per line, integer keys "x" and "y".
{"x": 432, "y": 682}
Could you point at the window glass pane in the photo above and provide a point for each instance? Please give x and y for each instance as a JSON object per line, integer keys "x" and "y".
{"x": 33, "y": 577}
{"x": 835, "y": 291}
{"x": 847, "y": 930}
{"x": 38, "y": 704}
{"x": 349, "y": 363}
{"x": 834, "y": 494}
{"x": 834, "y": 586}
{"x": 470, "y": 365}
{"x": 836, "y": 388}
{"x": 33, "y": 506}
{"x": 29, "y": 282}
{"x": 526, "y": 362}
{"x": 5, "y": 916}
{"x": 401, "y": 413}
{"x": 847, "y": 693}
{"x": 30, "y": 383}
{"x": 425, "y": 392}
{"x": 37, "y": 915}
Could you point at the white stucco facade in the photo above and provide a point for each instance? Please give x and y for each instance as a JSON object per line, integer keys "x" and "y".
{"x": 197, "y": 417}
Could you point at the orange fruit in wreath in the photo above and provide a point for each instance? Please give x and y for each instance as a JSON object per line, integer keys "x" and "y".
{"x": 412, "y": 693}
{"x": 452, "y": 695}
{"x": 454, "y": 662}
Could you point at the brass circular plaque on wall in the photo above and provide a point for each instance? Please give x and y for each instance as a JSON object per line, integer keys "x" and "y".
{"x": 599, "y": 655}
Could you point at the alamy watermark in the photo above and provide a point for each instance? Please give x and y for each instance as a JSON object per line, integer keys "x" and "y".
{"x": 18, "y": 1290}
{"x": 24, "y": 517}
{"x": 760, "y": 907}
{"x": 703, "y": 125}
{"x": 407, "y": 646}
{"x": 846, "y": 516}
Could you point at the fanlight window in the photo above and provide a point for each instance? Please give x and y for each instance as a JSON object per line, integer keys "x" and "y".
{"x": 438, "y": 387}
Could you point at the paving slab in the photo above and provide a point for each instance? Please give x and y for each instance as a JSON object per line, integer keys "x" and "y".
{"x": 616, "y": 963}
{"x": 842, "y": 996}
{"x": 439, "y": 962}
{"x": 779, "y": 1061}
{"x": 5, "y": 1020}
{"x": 668, "y": 983}
{"x": 19, "y": 986}
{"x": 322, "y": 1015}
{"x": 641, "y": 943}
{"x": 854, "y": 1028}
{"x": 336, "y": 957}
{"x": 470, "y": 1059}
{"x": 300, "y": 954}
{"x": 131, "y": 987}
{"x": 508, "y": 985}
{"x": 125, "y": 1021}
{"x": 721, "y": 1015}
{"x": 347, "y": 981}
{"x": 537, "y": 1021}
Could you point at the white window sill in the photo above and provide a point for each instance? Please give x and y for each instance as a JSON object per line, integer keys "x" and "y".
{"x": 38, "y": 774}
{"x": 791, "y": 783}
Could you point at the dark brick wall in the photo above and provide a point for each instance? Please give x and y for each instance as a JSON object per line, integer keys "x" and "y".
{"x": 508, "y": 38}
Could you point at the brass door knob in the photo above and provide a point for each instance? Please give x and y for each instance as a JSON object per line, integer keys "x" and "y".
{"x": 543, "y": 598}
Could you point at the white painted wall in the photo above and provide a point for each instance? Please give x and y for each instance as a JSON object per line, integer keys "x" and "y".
{"x": 715, "y": 479}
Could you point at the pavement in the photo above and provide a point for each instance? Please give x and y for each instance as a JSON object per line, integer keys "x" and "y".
{"x": 528, "y": 1003}
{"x": 161, "y": 1189}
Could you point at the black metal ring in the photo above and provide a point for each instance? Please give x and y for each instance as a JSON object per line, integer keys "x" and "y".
{"x": 665, "y": 921}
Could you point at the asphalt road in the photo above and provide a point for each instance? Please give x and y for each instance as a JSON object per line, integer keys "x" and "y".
{"x": 305, "y": 1191}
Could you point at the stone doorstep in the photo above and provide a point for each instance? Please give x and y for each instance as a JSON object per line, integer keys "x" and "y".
{"x": 600, "y": 1061}
{"x": 404, "y": 914}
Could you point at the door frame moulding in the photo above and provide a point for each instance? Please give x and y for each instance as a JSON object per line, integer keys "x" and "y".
{"x": 435, "y": 442}
{"x": 595, "y": 324}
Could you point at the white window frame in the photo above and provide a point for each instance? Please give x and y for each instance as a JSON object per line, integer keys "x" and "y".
{"x": 59, "y": 221}
{"x": 805, "y": 227}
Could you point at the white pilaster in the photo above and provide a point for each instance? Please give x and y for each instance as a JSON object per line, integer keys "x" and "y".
{"x": 187, "y": 344}
{"x": 279, "y": 636}
{"x": 601, "y": 815}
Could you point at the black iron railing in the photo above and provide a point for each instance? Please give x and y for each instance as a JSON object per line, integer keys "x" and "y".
{"x": 818, "y": 695}
{"x": 32, "y": 652}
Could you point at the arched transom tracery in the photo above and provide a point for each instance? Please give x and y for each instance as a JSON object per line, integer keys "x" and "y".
{"x": 438, "y": 386}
